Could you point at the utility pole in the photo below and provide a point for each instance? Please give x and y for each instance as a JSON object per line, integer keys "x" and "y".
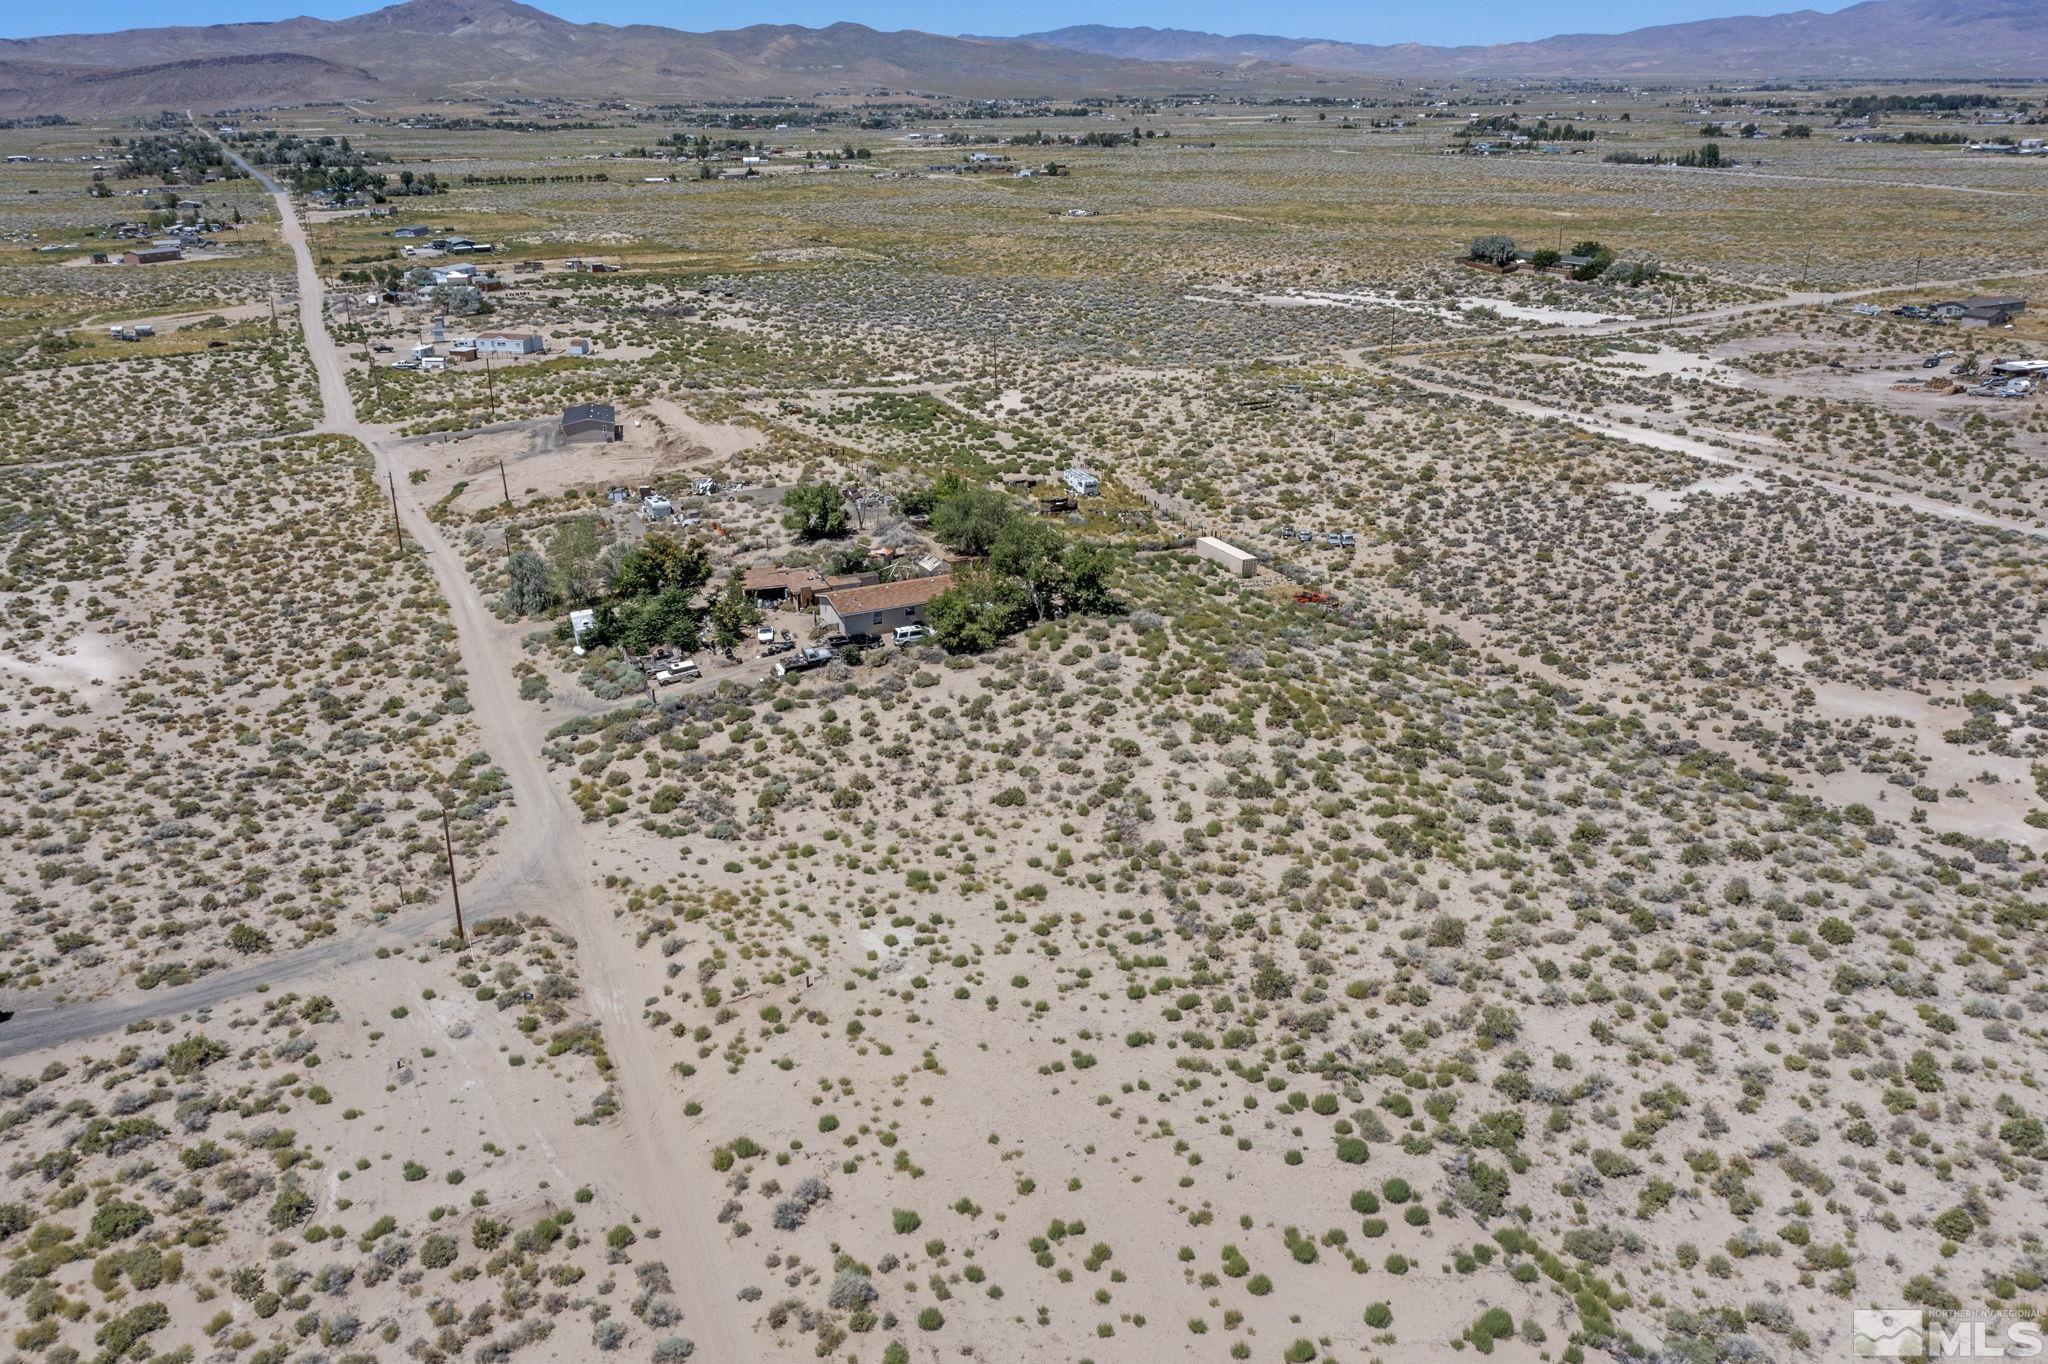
{"x": 491, "y": 391}
{"x": 448, "y": 842}
{"x": 504, "y": 482}
{"x": 273, "y": 310}
{"x": 397, "y": 532}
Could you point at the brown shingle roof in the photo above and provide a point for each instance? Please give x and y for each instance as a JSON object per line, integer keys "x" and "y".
{"x": 888, "y": 596}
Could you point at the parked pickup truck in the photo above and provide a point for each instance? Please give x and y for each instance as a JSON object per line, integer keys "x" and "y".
{"x": 806, "y": 660}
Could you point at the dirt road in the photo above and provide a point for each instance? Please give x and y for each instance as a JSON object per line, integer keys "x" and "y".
{"x": 542, "y": 866}
{"x": 1723, "y": 455}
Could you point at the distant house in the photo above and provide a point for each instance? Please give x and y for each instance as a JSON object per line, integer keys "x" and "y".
{"x": 580, "y": 345}
{"x": 1983, "y": 310}
{"x": 510, "y": 343}
{"x": 1081, "y": 483}
{"x": 590, "y": 422}
{"x": 152, "y": 255}
{"x": 410, "y": 232}
{"x": 880, "y": 608}
{"x": 453, "y": 274}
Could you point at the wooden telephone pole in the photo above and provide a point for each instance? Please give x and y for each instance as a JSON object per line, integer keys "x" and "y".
{"x": 397, "y": 532}
{"x": 454, "y": 888}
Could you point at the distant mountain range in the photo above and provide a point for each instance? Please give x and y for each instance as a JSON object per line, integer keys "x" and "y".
{"x": 1929, "y": 38}
{"x": 502, "y": 48}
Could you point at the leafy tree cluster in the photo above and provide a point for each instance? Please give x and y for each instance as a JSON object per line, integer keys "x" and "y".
{"x": 1494, "y": 249}
{"x": 1032, "y": 571}
{"x": 186, "y": 157}
{"x": 815, "y": 511}
{"x": 639, "y": 597}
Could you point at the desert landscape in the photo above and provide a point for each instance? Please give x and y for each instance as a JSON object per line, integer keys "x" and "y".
{"x": 1215, "y": 698}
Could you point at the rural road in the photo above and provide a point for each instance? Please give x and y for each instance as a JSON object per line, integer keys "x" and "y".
{"x": 542, "y": 866}
{"x": 1721, "y": 455}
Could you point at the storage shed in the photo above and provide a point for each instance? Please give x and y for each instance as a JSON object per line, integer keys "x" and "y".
{"x": 590, "y": 422}
{"x": 1236, "y": 561}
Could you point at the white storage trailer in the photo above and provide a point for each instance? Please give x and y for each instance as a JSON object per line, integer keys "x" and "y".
{"x": 1228, "y": 555}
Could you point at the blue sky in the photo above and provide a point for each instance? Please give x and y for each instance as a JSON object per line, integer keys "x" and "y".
{"x": 1447, "y": 21}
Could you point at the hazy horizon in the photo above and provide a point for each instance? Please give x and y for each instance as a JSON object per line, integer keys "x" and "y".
{"x": 1454, "y": 23}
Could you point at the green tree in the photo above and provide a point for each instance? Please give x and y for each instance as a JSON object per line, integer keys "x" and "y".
{"x": 814, "y": 511}
{"x": 1493, "y": 248}
{"x": 733, "y": 613}
{"x": 529, "y": 584}
{"x": 1087, "y": 578}
{"x": 1034, "y": 554}
{"x": 661, "y": 563}
{"x": 971, "y": 519}
{"x": 978, "y": 612}
{"x": 921, "y": 501}
{"x": 572, "y": 553}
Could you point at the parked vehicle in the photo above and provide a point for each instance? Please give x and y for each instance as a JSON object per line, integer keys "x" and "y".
{"x": 1935, "y": 359}
{"x": 382, "y": 347}
{"x": 804, "y": 662}
{"x": 908, "y": 634}
{"x": 780, "y": 646}
{"x": 681, "y": 670}
{"x": 765, "y": 635}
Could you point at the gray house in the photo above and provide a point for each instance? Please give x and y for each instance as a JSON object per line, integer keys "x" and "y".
{"x": 590, "y": 422}
{"x": 878, "y": 609}
{"x": 1982, "y": 310}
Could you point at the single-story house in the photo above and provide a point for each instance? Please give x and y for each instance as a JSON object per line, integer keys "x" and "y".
{"x": 453, "y": 274}
{"x": 511, "y": 343}
{"x": 881, "y": 608}
{"x": 411, "y": 232}
{"x": 1983, "y": 310}
{"x": 152, "y": 255}
{"x": 591, "y": 422}
{"x": 1081, "y": 482}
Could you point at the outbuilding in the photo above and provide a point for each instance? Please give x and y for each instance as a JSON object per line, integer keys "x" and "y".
{"x": 152, "y": 255}
{"x": 1238, "y": 562}
{"x": 590, "y": 422}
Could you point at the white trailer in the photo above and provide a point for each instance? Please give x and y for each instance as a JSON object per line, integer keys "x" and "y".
{"x": 1236, "y": 561}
